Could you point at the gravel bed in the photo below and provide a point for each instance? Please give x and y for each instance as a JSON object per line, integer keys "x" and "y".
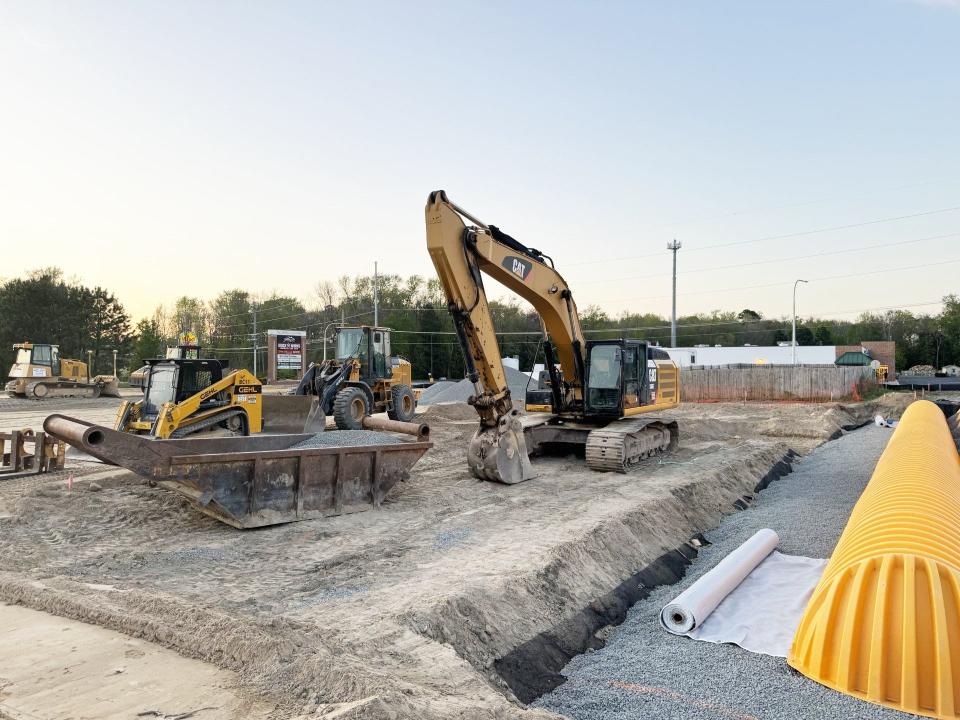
{"x": 644, "y": 672}
{"x": 447, "y": 391}
{"x": 347, "y": 438}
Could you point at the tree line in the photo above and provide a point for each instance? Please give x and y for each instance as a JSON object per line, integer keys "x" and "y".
{"x": 46, "y": 307}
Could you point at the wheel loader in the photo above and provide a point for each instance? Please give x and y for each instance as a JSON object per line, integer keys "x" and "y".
{"x": 39, "y": 372}
{"x": 363, "y": 378}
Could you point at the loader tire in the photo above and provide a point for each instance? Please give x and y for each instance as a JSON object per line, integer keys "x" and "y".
{"x": 403, "y": 403}
{"x": 349, "y": 408}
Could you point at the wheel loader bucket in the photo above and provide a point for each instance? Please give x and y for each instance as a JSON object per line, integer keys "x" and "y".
{"x": 253, "y": 481}
{"x": 292, "y": 414}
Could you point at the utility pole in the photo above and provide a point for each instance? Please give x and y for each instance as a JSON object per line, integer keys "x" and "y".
{"x": 254, "y": 306}
{"x": 794, "y": 339}
{"x": 376, "y": 296}
{"x": 674, "y": 246}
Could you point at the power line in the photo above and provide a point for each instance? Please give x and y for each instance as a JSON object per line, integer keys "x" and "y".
{"x": 803, "y": 233}
{"x": 777, "y": 260}
{"x": 789, "y": 282}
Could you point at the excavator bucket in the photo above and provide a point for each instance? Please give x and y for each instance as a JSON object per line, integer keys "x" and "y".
{"x": 500, "y": 453}
{"x": 253, "y": 481}
{"x": 292, "y": 414}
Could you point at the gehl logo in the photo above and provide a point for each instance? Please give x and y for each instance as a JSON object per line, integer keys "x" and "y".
{"x": 518, "y": 266}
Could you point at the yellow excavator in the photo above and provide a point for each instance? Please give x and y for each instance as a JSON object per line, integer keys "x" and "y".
{"x": 594, "y": 390}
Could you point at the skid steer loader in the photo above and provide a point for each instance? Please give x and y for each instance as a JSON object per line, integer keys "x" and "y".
{"x": 363, "y": 378}
{"x": 183, "y": 396}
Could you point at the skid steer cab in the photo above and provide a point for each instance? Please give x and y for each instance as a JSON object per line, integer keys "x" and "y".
{"x": 362, "y": 379}
{"x": 183, "y": 396}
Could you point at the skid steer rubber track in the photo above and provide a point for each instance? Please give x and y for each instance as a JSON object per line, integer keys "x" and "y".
{"x": 624, "y": 443}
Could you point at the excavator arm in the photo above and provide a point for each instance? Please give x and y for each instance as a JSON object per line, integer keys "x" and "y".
{"x": 461, "y": 253}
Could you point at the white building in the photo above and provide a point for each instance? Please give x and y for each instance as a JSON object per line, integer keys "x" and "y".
{"x": 753, "y": 355}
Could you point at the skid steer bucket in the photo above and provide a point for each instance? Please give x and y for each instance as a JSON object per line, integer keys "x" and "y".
{"x": 253, "y": 481}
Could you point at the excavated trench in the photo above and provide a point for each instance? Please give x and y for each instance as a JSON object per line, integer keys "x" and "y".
{"x": 533, "y": 668}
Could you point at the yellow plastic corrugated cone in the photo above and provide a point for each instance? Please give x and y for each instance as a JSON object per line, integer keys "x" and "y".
{"x": 883, "y": 624}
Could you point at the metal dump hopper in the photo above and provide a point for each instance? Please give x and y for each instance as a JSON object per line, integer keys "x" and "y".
{"x": 253, "y": 481}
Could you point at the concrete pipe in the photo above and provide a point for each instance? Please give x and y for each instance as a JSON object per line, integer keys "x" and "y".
{"x": 883, "y": 624}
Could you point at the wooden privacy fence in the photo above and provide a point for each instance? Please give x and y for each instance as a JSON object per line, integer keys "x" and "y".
{"x": 772, "y": 382}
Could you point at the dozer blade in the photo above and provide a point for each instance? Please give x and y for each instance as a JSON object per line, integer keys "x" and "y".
{"x": 292, "y": 414}
{"x": 500, "y": 453}
{"x": 109, "y": 385}
{"x": 253, "y": 481}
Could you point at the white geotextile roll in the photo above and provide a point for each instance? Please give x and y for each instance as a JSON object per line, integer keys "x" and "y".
{"x": 691, "y": 607}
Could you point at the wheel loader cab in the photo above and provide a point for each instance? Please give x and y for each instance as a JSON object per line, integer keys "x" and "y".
{"x": 369, "y": 345}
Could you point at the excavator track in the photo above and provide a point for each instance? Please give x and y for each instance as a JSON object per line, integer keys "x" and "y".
{"x": 622, "y": 444}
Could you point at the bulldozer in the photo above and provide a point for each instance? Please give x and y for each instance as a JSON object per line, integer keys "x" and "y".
{"x": 363, "y": 378}
{"x": 39, "y": 372}
{"x": 185, "y": 395}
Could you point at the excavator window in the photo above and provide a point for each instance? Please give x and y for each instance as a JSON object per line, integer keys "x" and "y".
{"x": 632, "y": 376}
{"x": 23, "y": 356}
{"x": 603, "y": 381}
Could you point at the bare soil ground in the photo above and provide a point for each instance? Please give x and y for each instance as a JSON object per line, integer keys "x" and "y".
{"x": 397, "y": 613}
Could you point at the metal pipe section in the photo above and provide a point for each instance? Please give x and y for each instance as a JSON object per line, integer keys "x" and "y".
{"x": 883, "y": 624}
{"x": 74, "y": 432}
{"x": 418, "y": 430}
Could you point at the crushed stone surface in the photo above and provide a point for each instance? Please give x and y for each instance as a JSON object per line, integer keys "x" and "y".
{"x": 644, "y": 671}
{"x": 348, "y": 438}
{"x": 447, "y": 391}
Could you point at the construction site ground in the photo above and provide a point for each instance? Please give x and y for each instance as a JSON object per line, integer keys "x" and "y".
{"x": 458, "y": 598}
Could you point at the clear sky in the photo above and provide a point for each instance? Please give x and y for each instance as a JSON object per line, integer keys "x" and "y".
{"x": 160, "y": 149}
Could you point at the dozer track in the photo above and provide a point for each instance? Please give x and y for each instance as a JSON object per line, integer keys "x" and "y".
{"x": 41, "y": 390}
{"x": 622, "y": 444}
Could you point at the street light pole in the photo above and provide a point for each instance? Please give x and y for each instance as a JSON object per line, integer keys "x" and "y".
{"x": 794, "y": 343}
{"x": 328, "y": 326}
{"x": 674, "y": 246}
{"x": 114, "y": 363}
